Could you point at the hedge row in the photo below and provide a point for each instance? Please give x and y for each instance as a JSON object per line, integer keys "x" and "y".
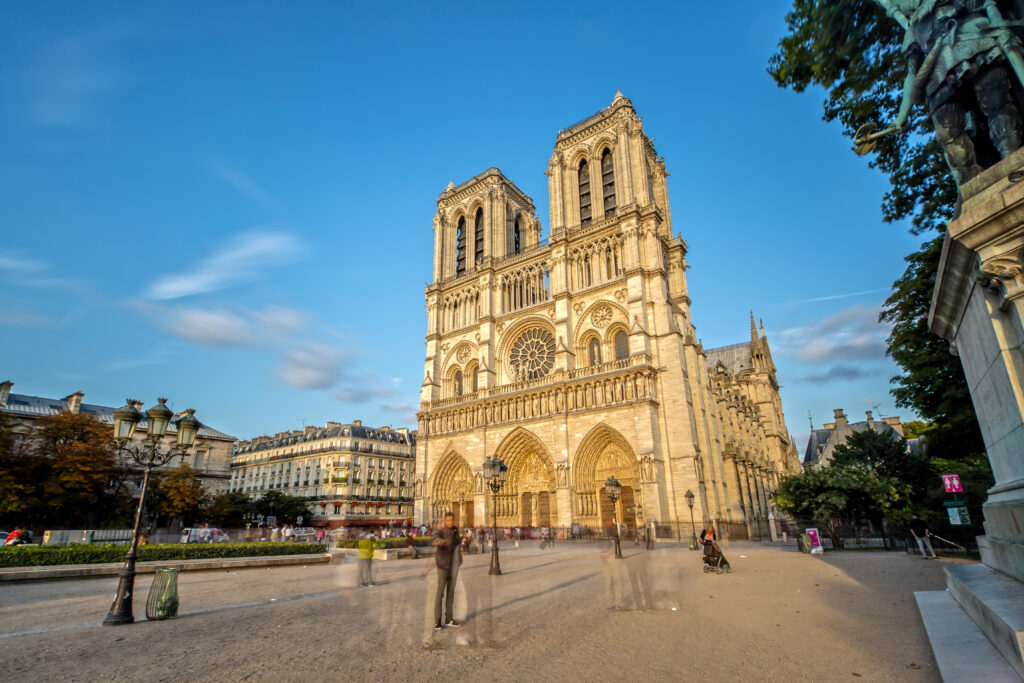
{"x": 384, "y": 543}
{"x": 47, "y": 555}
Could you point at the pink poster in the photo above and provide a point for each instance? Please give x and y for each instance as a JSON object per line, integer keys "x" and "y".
{"x": 952, "y": 484}
{"x": 815, "y": 540}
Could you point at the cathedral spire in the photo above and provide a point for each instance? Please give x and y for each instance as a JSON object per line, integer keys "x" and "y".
{"x": 753, "y": 329}
{"x": 760, "y": 320}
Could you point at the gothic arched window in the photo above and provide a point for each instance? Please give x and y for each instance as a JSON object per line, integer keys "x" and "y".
{"x": 517, "y": 243}
{"x": 460, "y": 248}
{"x": 457, "y": 383}
{"x": 584, "y": 183}
{"x": 608, "y": 182}
{"x": 594, "y": 352}
{"x": 621, "y": 345}
{"x": 478, "y": 235}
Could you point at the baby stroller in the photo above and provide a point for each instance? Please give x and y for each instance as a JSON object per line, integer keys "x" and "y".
{"x": 714, "y": 559}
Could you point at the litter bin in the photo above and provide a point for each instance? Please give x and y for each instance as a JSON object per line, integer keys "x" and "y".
{"x": 163, "y": 595}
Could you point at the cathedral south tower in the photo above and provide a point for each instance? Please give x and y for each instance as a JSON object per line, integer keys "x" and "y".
{"x": 576, "y": 359}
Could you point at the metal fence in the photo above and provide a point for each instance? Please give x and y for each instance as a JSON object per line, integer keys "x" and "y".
{"x": 874, "y": 535}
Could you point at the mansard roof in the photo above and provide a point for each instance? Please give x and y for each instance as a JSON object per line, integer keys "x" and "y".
{"x": 820, "y": 437}
{"x": 23, "y": 405}
{"x": 354, "y": 431}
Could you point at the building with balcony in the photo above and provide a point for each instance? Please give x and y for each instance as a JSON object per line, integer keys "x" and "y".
{"x": 576, "y": 359}
{"x": 210, "y": 457}
{"x": 352, "y": 475}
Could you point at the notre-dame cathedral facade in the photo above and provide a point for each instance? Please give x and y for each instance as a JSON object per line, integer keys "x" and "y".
{"x": 576, "y": 359}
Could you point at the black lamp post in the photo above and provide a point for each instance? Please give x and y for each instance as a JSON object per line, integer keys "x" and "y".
{"x": 147, "y": 455}
{"x": 693, "y": 526}
{"x": 495, "y": 471}
{"x": 614, "y": 490}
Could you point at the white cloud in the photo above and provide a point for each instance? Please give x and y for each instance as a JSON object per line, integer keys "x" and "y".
{"x": 833, "y": 297}
{"x": 26, "y": 271}
{"x": 244, "y": 184}
{"x": 286, "y": 321}
{"x": 242, "y": 259}
{"x": 405, "y": 411}
{"x": 852, "y": 334}
{"x": 210, "y": 327}
{"x": 314, "y": 366}
{"x": 842, "y": 371}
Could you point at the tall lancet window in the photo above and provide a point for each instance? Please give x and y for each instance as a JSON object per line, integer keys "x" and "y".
{"x": 608, "y": 182}
{"x": 478, "y": 235}
{"x": 584, "y": 182}
{"x": 460, "y": 248}
{"x": 517, "y": 243}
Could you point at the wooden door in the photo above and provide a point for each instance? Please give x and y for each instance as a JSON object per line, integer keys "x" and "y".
{"x": 627, "y": 515}
{"x": 468, "y": 514}
{"x": 526, "y": 509}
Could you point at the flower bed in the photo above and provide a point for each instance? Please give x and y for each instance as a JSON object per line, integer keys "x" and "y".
{"x": 46, "y": 555}
{"x": 384, "y": 543}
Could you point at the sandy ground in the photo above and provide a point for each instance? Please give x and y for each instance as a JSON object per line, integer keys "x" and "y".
{"x": 780, "y": 616}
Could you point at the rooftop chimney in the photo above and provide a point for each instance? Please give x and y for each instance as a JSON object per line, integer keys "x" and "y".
{"x": 5, "y": 391}
{"x": 840, "y": 417}
{"x": 357, "y": 423}
{"x": 871, "y": 420}
{"x": 74, "y": 401}
{"x": 895, "y": 423}
{"x": 309, "y": 429}
{"x": 331, "y": 424}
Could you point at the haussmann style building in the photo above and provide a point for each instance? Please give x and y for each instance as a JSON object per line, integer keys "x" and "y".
{"x": 353, "y": 476}
{"x": 576, "y": 359}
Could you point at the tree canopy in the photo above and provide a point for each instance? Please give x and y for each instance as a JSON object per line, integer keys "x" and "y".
{"x": 852, "y": 50}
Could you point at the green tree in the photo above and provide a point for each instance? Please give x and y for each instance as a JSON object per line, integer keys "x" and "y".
{"x": 852, "y": 50}
{"x": 229, "y": 510}
{"x": 915, "y": 429}
{"x": 888, "y": 457}
{"x": 180, "y": 494}
{"x": 286, "y": 508}
{"x": 836, "y": 496}
{"x": 22, "y": 475}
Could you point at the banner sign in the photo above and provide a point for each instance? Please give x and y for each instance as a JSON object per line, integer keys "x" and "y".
{"x": 958, "y": 516}
{"x": 951, "y": 482}
{"x": 816, "y": 546}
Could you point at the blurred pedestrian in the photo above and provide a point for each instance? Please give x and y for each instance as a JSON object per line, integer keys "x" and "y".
{"x": 410, "y": 542}
{"x": 367, "y": 544}
{"x": 447, "y": 559}
{"x": 922, "y": 534}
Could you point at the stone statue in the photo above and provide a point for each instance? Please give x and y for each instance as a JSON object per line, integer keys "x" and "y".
{"x": 960, "y": 54}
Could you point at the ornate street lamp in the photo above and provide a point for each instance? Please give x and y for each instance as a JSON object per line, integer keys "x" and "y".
{"x": 693, "y": 526}
{"x": 614, "y": 490}
{"x": 147, "y": 455}
{"x": 495, "y": 471}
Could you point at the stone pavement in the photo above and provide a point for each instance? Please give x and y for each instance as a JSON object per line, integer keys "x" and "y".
{"x": 779, "y": 616}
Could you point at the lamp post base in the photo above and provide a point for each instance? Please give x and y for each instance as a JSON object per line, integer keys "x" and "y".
{"x": 121, "y": 609}
{"x": 495, "y": 564}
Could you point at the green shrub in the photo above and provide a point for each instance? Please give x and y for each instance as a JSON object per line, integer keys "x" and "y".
{"x": 49, "y": 555}
{"x": 384, "y": 543}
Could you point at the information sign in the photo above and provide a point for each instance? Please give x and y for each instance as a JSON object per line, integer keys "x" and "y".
{"x": 951, "y": 482}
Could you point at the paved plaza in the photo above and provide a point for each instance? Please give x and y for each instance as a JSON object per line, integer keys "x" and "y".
{"x": 780, "y": 616}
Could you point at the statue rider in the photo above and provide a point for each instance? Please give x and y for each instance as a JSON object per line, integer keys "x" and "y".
{"x": 960, "y": 54}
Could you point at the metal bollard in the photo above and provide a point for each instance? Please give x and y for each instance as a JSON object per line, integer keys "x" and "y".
{"x": 162, "y": 601}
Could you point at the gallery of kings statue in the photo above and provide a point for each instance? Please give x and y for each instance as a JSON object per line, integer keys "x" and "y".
{"x": 576, "y": 359}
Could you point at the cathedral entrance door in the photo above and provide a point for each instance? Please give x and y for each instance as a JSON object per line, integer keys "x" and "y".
{"x": 544, "y": 509}
{"x": 607, "y": 511}
{"x": 526, "y": 510}
{"x": 467, "y": 507}
{"x": 627, "y": 515}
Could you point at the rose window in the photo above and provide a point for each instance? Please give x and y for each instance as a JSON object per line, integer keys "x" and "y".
{"x": 533, "y": 354}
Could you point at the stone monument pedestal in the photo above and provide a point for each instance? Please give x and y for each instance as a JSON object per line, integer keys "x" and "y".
{"x": 978, "y": 305}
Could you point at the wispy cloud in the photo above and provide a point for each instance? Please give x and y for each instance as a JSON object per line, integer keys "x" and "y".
{"x": 210, "y": 327}
{"x": 26, "y": 319}
{"x": 406, "y": 411}
{"x": 314, "y": 366}
{"x": 842, "y": 372}
{"x": 66, "y": 84}
{"x": 22, "y": 270}
{"x": 242, "y": 259}
{"x": 833, "y": 297}
{"x": 244, "y": 184}
{"x": 852, "y": 334}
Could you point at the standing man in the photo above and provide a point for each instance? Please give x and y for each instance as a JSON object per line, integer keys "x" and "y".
{"x": 448, "y": 559}
{"x": 919, "y": 528}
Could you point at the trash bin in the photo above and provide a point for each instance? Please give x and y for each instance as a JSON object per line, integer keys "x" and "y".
{"x": 163, "y": 595}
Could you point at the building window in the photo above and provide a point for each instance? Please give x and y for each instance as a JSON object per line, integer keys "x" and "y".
{"x": 608, "y": 183}
{"x": 516, "y": 239}
{"x": 584, "y": 183}
{"x": 621, "y": 345}
{"x": 200, "y": 460}
{"x": 337, "y": 508}
{"x": 478, "y": 235}
{"x": 460, "y": 248}
{"x": 458, "y": 383}
{"x": 594, "y": 352}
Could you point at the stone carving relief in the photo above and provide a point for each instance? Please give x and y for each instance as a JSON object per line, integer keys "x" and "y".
{"x": 620, "y": 294}
{"x": 501, "y": 328}
{"x": 579, "y": 306}
{"x": 464, "y": 353}
{"x": 602, "y": 315}
{"x": 561, "y": 476}
{"x": 445, "y": 347}
{"x": 417, "y": 488}
{"x": 647, "y": 468}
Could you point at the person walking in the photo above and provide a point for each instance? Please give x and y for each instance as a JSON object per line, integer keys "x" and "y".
{"x": 447, "y": 558}
{"x": 367, "y": 544}
{"x": 410, "y": 542}
{"x": 922, "y": 535}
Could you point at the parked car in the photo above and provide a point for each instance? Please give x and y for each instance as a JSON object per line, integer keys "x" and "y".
{"x": 204, "y": 535}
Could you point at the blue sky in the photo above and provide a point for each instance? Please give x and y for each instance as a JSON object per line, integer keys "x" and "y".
{"x": 230, "y": 204}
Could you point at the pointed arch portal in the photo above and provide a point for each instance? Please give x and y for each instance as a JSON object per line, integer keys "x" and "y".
{"x": 451, "y": 487}
{"x": 528, "y": 497}
{"x": 604, "y": 453}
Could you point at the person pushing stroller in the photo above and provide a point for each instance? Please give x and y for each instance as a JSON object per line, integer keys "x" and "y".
{"x": 714, "y": 559}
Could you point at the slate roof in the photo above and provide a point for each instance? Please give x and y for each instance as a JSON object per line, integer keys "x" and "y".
{"x": 347, "y": 430}
{"x": 23, "y": 405}
{"x": 819, "y": 437}
{"x": 735, "y": 357}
